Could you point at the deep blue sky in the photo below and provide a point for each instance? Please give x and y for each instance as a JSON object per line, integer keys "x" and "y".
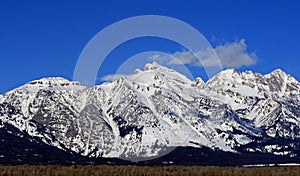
{"x": 45, "y": 38}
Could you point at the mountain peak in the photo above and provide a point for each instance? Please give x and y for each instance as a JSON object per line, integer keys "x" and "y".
{"x": 278, "y": 72}
{"x": 233, "y": 72}
{"x": 151, "y": 66}
{"x": 225, "y": 74}
{"x": 52, "y": 81}
{"x": 228, "y": 71}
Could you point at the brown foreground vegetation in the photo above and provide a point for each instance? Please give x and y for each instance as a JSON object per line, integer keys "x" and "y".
{"x": 26, "y": 170}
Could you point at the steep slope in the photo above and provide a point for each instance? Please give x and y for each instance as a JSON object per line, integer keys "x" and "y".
{"x": 268, "y": 102}
{"x": 150, "y": 113}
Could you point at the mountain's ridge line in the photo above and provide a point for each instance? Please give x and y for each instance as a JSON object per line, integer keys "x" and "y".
{"x": 138, "y": 116}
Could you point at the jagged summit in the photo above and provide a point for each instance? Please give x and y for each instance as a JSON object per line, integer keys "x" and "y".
{"x": 157, "y": 67}
{"x": 232, "y": 72}
{"x": 276, "y": 83}
{"x": 151, "y": 66}
{"x": 53, "y": 81}
{"x": 278, "y": 71}
{"x": 228, "y": 75}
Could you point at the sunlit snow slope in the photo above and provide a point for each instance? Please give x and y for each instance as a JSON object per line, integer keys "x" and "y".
{"x": 144, "y": 114}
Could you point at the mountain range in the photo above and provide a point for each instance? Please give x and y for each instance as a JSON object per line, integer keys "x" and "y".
{"x": 154, "y": 116}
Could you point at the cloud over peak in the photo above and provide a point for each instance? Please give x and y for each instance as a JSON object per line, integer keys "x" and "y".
{"x": 230, "y": 55}
{"x": 235, "y": 55}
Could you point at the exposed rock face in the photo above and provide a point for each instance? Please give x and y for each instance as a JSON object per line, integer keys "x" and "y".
{"x": 143, "y": 114}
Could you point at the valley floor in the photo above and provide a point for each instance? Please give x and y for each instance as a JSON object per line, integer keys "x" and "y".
{"x": 104, "y": 170}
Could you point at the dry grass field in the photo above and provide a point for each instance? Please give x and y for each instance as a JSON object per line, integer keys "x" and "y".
{"x": 26, "y": 170}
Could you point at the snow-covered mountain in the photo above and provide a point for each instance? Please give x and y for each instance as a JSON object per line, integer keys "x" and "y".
{"x": 151, "y": 112}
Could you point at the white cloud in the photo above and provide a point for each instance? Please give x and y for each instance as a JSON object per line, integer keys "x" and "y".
{"x": 185, "y": 57}
{"x": 231, "y": 55}
{"x": 112, "y": 77}
{"x": 235, "y": 55}
{"x": 155, "y": 57}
